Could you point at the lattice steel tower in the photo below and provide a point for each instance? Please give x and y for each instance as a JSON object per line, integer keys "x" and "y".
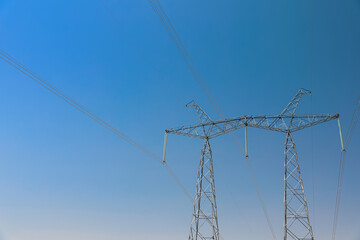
{"x": 204, "y": 223}
{"x": 297, "y": 225}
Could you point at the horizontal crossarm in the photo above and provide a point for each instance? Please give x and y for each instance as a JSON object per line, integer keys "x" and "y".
{"x": 279, "y": 123}
{"x": 300, "y": 123}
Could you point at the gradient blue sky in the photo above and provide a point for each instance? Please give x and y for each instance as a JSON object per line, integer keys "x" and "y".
{"x": 64, "y": 177}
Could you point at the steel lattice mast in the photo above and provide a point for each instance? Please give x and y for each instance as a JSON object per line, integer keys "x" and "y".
{"x": 296, "y": 213}
{"x": 297, "y": 225}
{"x": 204, "y": 223}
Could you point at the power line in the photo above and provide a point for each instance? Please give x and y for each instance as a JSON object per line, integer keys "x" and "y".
{"x": 175, "y": 38}
{"x": 311, "y": 79}
{"x": 338, "y": 194}
{"x": 352, "y": 126}
{"x": 257, "y": 189}
{"x": 259, "y": 195}
{"x": 354, "y": 121}
{"x": 23, "y": 69}
{"x": 10, "y": 60}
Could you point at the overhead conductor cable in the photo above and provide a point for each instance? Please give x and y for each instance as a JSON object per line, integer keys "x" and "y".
{"x": 14, "y": 63}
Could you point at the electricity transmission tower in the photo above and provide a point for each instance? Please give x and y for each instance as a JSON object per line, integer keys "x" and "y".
{"x": 204, "y": 224}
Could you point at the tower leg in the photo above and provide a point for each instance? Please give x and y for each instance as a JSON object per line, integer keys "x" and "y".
{"x": 204, "y": 224}
{"x": 296, "y": 214}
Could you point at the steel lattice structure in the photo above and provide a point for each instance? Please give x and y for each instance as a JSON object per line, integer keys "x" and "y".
{"x": 204, "y": 223}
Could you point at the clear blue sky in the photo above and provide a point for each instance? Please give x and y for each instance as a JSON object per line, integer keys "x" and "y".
{"x": 62, "y": 176}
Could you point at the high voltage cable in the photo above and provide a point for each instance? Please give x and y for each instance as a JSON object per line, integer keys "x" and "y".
{"x": 10, "y": 60}
{"x": 353, "y": 123}
{"x": 175, "y": 38}
{"x": 23, "y": 69}
{"x": 165, "y": 21}
{"x": 14, "y": 63}
{"x": 311, "y": 78}
{"x": 338, "y": 194}
{"x": 256, "y": 185}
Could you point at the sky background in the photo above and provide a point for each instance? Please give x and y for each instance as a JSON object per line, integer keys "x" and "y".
{"x": 63, "y": 177}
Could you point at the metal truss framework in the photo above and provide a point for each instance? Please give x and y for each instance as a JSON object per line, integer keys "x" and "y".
{"x": 296, "y": 216}
{"x": 204, "y": 223}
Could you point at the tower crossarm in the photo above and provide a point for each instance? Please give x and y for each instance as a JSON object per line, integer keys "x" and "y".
{"x": 278, "y": 123}
{"x": 300, "y": 122}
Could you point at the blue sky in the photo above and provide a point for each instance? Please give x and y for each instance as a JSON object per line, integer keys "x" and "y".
{"x": 64, "y": 177}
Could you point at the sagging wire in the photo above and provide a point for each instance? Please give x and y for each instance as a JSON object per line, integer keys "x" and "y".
{"x": 352, "y": 126}
{"x": 14, "y": 63}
